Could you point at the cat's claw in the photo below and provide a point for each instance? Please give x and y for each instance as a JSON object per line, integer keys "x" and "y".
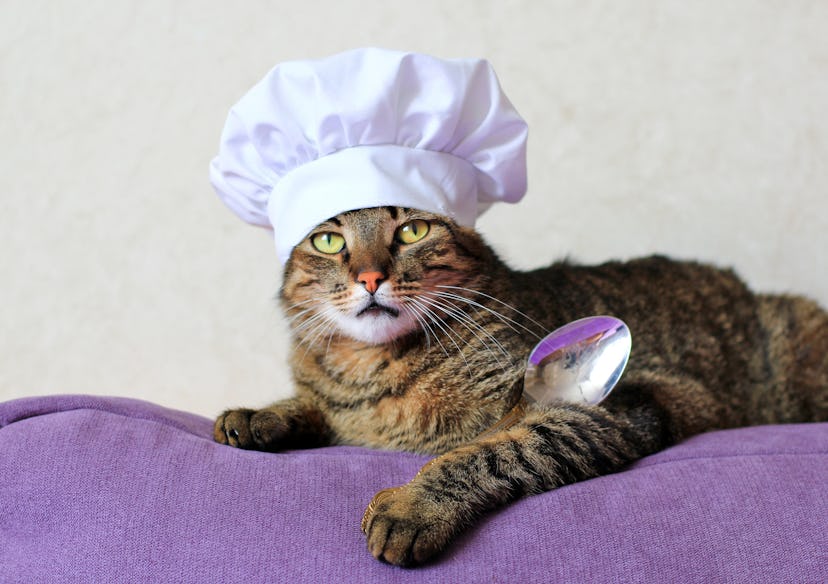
{"x": 404, "y": 529}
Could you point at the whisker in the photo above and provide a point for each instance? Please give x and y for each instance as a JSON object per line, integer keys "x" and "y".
{"x": 299, "y": 314}
{"x": 499, "y": 301}
{"x": 296, "y": 305}
{"x": 308, "y": 334}
{"x": 502, "y": 317}
{"x": 303, "y": 302}
{"x": 464, "y": 319}
{"x": 323, "y": 331}
{"x": 312, "y": 320}
{"x": 419, "y": 316}
{"x": 315, "y": 325}
{"x": 440, "y": 300}
{"x": 319, "y": 331}
{"x": 425, "y": 312}
{"x": 447, "y": 331}
{"x": 413, "y": 312}
{"x": 330, "y": 338}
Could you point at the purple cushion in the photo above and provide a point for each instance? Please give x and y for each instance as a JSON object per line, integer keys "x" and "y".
{"x": 110, "y": 489}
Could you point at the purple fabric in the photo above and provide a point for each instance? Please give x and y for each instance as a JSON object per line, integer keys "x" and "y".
{"x": 116, "y": 490}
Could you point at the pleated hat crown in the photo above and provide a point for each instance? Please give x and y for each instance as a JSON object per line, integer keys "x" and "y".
{"x": 369, "y": 128}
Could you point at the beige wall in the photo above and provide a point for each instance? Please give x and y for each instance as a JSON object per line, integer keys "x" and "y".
{"x": 698, "y": 129}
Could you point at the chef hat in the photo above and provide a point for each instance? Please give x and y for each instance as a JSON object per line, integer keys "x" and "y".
{"x": 369, "y": 128}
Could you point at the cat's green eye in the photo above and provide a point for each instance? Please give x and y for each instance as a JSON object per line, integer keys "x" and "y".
{"x": 328, "y": 242}
{"x": 413, "y": 231}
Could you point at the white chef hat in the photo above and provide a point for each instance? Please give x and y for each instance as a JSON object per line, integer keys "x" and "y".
{"x": 369, "y": 128}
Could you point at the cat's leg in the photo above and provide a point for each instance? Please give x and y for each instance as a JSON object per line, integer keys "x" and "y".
{"x": 291, "y": 423}
{"x": 550, "y": 447}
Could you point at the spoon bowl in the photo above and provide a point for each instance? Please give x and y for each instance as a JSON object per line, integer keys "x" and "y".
{"x": 580, "y": 362}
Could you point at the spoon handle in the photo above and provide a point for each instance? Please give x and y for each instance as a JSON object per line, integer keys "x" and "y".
{"x": 511, "y": 418}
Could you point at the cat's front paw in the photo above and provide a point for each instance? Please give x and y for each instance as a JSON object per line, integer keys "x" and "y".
{"x": 250, "y": 429}
{"x": 404, "y": 528}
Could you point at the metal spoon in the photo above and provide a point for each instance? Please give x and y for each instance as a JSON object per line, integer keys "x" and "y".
{"x": 580, "y": 362}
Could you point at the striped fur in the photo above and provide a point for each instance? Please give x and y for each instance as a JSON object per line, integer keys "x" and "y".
{"x": 708, "y": 354}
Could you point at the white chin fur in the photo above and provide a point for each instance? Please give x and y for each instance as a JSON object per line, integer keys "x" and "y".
{"x": 376, "y": 327}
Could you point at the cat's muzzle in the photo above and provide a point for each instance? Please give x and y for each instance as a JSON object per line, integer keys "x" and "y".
{"x": 376, "y": 308}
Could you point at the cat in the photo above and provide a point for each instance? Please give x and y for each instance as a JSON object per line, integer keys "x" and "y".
{"x": 409, "y": 333}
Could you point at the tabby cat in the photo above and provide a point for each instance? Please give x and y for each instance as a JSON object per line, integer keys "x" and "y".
{"x": 409, "y": 333}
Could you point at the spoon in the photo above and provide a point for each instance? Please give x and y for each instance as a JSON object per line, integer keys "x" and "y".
{"x": 580, "y": 362}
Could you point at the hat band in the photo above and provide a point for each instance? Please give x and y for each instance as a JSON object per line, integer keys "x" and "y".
{"x": 370, "y": 176}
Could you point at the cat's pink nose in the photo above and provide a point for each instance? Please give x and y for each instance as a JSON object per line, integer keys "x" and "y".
{"x": 371, "y": 280}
